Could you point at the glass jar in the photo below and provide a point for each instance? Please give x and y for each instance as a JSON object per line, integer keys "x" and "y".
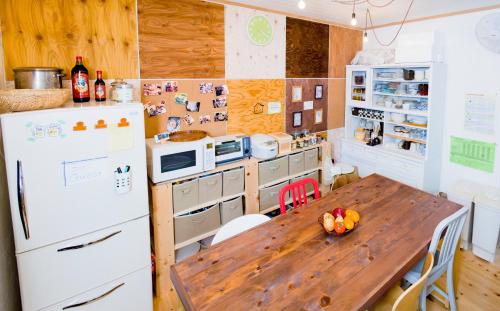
{"x": 121, "y": 91}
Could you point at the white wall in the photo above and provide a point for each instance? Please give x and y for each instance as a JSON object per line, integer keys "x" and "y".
{"x": 470, "y": 69}
{"x": 245, "y": 60}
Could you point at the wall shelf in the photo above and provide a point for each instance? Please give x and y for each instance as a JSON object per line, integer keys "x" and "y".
{"x": 399, "y": 95}
{"x": 419, "y": 141}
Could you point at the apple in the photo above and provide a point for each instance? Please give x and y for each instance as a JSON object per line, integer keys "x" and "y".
{"x": 338, "y": 212}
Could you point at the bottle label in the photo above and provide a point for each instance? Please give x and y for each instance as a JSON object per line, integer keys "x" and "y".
{"x": 100, "y": 92}
{"x": 81, "y": 84}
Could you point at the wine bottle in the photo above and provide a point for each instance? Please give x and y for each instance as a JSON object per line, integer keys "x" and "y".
{"x": 100, "y": 88}
{"x": 80, "y": 82}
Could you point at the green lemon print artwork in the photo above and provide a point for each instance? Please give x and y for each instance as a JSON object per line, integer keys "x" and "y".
{"x": 260, "y": 30}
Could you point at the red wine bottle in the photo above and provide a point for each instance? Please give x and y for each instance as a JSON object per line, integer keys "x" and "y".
{"x": 100, "y": 88}
{"x": 80, "y": 82}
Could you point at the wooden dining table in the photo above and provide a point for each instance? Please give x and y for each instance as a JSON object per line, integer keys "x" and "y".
{"x": 291, "y": 263}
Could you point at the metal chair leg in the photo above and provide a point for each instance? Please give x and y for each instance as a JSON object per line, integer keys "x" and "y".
{"x": 449, "y": 287}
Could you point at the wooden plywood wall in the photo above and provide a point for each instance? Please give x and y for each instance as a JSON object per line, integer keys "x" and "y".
{"x": 181, "y": 39}
{"x": 306, "y": 49}
{"x": 158, "y": 124}
{"x": 308, "y": 94}
{"x": 53, "y": 32}
{"x": 246, "y": 60}
{"x": 344, "y": 43}
{"x": 336, "y": 103}
{"x": 244, "y": 95}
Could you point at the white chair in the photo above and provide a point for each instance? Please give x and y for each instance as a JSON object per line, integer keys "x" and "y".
{"x": 239, "y": 225}
{"x": 443, "y": 258}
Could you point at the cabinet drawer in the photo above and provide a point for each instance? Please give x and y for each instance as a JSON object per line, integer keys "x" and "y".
{"x": 191, "y": 225}
{"x": 233, "y": 181}
{"x": 185, "y": 195}
{"x": 313, "y": 175}
{"x": 210, "y": 188}
{"x": 311, "y": 159}
{"x": 296, "y": 163}
{"x": 273, "y": 170}
{"x": 129, "y": 293}
{"x": 56, "y": 272}
{"x": 269, "y": 196}
{"x": 231, "y": 209}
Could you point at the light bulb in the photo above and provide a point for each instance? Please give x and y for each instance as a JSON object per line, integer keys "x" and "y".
{"x": 354, "y": 21}
{"x": 302, "y": 4}
{"x": 365, "y": 37}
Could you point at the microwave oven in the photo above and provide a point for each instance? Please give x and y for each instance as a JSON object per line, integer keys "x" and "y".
{"x": 172, "y": 160}
{"x": 231, "y": 148}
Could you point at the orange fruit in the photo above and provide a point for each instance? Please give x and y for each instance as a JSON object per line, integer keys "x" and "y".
{"x": 348, "y": 223}
{"x": 353, "y": 215}
{"x": 339, "y": 227}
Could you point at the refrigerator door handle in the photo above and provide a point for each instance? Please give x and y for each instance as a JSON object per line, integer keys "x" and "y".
{"x": 21, "y": 200}
{"x": 88, "y": 243}
{"x": 94, "y": 299}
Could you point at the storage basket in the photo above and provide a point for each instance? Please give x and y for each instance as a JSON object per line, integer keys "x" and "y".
{"x": 32, "y": 99}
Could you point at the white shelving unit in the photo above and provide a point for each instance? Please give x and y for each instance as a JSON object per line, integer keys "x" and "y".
{"x": 411, "y": 99}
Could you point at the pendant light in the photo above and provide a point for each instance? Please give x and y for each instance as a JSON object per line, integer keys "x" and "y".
{"x": 354, "y": 21}
{"x": 301, "y": 4}
{"x": 365, "y": 33}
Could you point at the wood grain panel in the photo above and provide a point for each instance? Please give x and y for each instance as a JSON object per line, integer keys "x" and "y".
{"x": 181, "y": 39}
{"x": 2, "y": 64}
{"x": 52, "y": 32}
{"x": 308, "y": 89}
{"x": 306, "y": 49}
{"x": 344, "y": 43}
{"x": 244, "y": 95}
{"x": 336, "y": 103}
{"x": 158, "y": 124}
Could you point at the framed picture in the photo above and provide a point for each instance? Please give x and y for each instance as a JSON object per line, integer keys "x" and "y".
{"x": 297, "y": 119}
{"x": 318, "y": 116}
{"x": 296, "y": 94}
{"x": 318, "y": 92}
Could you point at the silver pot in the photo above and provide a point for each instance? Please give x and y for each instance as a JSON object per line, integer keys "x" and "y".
{"x": 38, "y": 77}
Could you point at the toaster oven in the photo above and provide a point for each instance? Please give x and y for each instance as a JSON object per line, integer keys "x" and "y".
{"x": 232, "y": 148}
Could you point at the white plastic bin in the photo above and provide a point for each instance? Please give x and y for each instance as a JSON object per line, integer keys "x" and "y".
{"x": 486, "y": 223}
{"x": 463, "y": 192}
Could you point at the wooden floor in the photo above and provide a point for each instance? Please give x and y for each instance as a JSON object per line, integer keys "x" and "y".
{"x": 478, "y": 285}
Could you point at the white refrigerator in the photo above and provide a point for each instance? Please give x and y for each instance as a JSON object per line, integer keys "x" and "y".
{"x": 77, "y": 186}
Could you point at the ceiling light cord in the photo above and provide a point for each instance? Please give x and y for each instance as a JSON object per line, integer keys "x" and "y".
{"x": 399, "y": 29}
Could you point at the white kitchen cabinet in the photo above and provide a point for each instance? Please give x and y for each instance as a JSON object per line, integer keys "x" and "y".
{"x": 406, "y": 102}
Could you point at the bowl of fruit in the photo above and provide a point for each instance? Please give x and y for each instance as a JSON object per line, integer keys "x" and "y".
{"x": 339, "y": 221}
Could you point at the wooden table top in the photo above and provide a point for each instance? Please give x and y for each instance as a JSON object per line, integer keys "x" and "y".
{"x": 290, "y": 263}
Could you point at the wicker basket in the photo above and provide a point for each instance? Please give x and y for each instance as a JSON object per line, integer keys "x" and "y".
{"x": 32, "y": 99}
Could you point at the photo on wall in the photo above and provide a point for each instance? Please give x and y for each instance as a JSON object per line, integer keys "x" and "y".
{"x": 151, "y": 89}
{"x": 220, "y": 102}
{"x": 220, "y": 116}
{"x": 188, "y": 119}
{"x": 173, "y": 124}
{"x": 297, "y": 119}
{"x": 192, "y": 106}
{"x": 297, "y": 94}
{"x": 154, "y": 110}
{"x": 206, "y": 88}
{"x": 221, "y": 90}
{"x": 181, "y": 98}
{"x": 204, "y": 119}
{"x": 170, "y": 86}
{"x": 318, "y": 116}
{"x": 318, "y": 92}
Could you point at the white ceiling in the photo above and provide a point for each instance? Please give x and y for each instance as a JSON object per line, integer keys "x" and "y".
{"x": 328, "y": 10}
